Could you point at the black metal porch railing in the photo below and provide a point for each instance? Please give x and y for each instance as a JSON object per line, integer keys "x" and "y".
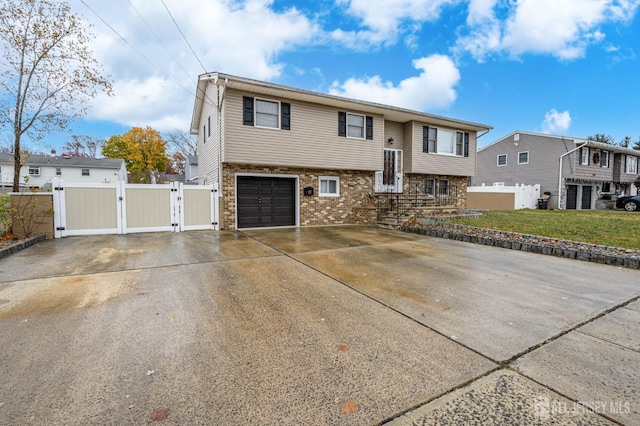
{"x": 388, "y": 202}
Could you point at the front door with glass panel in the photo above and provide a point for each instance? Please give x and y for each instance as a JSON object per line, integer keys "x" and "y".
{"x": 391, "y": 177}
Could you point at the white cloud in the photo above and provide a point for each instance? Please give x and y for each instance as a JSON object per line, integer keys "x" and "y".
{"x": 564, "y": 29}
{"x": 433, "y": 88}
{"x": 556, "y": 122}
{"x": 385, "y": 20}
{"x": 237, "y": 37}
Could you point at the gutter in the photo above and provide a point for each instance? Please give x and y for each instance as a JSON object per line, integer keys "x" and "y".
{"x": 560, "y": 172}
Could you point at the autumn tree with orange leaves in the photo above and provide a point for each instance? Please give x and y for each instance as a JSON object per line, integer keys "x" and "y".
{"x": 143, "y": 150}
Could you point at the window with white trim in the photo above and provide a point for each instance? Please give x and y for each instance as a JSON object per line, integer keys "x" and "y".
{"x": 631, "y": 165}
{"x": 502, "y": 160}
{"x": 355, "y": 126}
{"x": 58, "y": 171}
{"x": 329, "y": 186}
{"x": 85, "y": 172}
{"x": 34, "y": 171}
{"x": 584, "y": 156}
{"x": 604, "y": 159}
{"x": 446, "y": 142}
{"x": 523, "y": 157}
{"x": 267, "y": 114}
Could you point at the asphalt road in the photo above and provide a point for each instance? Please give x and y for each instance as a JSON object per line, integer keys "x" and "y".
{"x": 328, "y": 326}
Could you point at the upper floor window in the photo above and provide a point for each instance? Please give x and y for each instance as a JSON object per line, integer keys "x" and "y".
{"x": 355, "y": 126}
{"x": 85, "y": 172}
{"x": 447, "y": 142}
{"x": 584, "y": 156}
{"x": 34, "y": 171}
{"x": 266, "y": 113}
{"x": 58, "y": 171}
{"x": 604, "y": 159}
{"x": 523, "y": 157}
{"x": 631, "y": 165}
{"x": 502, "y": 160}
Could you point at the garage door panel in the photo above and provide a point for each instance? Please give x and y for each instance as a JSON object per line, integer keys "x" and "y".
{"x": 265, "y": 201}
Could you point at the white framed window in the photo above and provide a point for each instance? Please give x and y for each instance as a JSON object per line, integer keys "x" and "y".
{"x": 34, "y": 171}
{"x": 430, "y": 186}
{"x": 443, "y": 187}
{"x": 329, "y": 186}
{"x": 604, "y": 159}
{"x": 445, "y": 142}
{"x": 584, "y": 156}
{"x": 267, "y": 114}
{"x": 355, "y": 126}
{"x": 85, "y": 172}
{"x": 523, "y": 157}
{"x": 58, "y": 171}
{"x": 502, "y": 160}
{"x": 631, "y": 165}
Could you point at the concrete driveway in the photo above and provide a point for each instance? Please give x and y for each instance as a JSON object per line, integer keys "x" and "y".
{"x": 328, "y": 325}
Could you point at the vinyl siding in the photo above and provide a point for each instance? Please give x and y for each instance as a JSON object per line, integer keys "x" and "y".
{"x": 395, "y": 130}
{"x": 542, "y": 169}
{"x": 208, "y": 153}
{"x": 312, "y": 142}
{"x": 69, "y": 174}
{"x": 433, "y": 163}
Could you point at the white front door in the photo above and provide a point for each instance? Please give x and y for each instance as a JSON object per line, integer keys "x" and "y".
{"x": 390, "y": 179}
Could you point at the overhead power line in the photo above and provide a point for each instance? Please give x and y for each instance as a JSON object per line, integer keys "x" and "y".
{"x": 183, "y": 36}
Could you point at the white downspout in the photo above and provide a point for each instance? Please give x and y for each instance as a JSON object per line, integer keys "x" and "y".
{"x": 560, "y": 174}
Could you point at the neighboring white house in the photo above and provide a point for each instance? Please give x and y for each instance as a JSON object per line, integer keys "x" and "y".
{"x": 39, "y": 170}
{"x": 191, "y": 169}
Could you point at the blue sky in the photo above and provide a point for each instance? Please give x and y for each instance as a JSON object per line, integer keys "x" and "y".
{"x": 565, "y": 67}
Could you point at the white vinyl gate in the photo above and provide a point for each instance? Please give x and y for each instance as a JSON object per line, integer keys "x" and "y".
{"x": 120, "y": 208}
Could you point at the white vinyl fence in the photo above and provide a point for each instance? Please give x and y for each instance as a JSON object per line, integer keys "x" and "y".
{"x": 120, "y": 208}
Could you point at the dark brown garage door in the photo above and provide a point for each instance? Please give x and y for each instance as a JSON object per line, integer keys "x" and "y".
{"x": 265, "y": 201}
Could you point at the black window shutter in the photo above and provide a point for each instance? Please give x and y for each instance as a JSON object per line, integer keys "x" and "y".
{"x": 369, "y": 121}
{"x": 247, "y": 111}
{"x": 466, "y": 144}
{"x": 286, "y": 116}
{"x": 425, "y": 139}
{"x": 342, "y": 123}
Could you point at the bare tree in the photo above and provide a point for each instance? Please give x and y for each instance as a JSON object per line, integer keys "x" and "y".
{"x": 82, "y": 146}
{"x": 182, "y": 141}
{"x": 48, "y": 73}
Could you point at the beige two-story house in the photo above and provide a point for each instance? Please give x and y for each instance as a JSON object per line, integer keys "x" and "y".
{"x": 289, "y": 157}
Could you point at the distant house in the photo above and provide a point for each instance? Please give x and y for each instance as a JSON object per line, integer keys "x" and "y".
{"x": 591, "y": 172}
{"x": 39, "y": 170}
{"x": 191, "y": 169}
{"x": 289, "y": 157}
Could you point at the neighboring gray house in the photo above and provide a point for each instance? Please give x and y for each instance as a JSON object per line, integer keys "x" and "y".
{"x": 591, "y": 171}
{"x": 38, "y": 170}
{"x": 289, "y": 157}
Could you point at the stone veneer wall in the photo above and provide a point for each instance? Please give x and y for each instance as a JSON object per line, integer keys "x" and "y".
{"x": 314, "y": 210}
{"x": 415, "y": 182}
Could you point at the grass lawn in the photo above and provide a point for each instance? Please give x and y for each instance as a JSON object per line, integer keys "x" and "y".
{"x": 609, "y": 228}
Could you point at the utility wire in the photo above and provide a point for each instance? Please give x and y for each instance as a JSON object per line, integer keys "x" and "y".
{"x": 155, "y": 35}
{"x": 183, "y": 36}
{"x": 118, "y": 34}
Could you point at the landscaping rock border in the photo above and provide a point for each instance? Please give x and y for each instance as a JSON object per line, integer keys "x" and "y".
{"x": 14, "y": 248}
{"x": 528, "y": 243}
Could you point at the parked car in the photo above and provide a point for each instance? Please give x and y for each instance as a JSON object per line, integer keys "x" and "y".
{"x": 630, "y": 204}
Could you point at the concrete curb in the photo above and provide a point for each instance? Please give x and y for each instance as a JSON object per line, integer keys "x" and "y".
{"x": 14, "y": 248}
{"x": 530, "y": 243}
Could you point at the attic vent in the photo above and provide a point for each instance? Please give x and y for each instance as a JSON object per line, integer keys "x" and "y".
{"x": 516, "y": 137}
